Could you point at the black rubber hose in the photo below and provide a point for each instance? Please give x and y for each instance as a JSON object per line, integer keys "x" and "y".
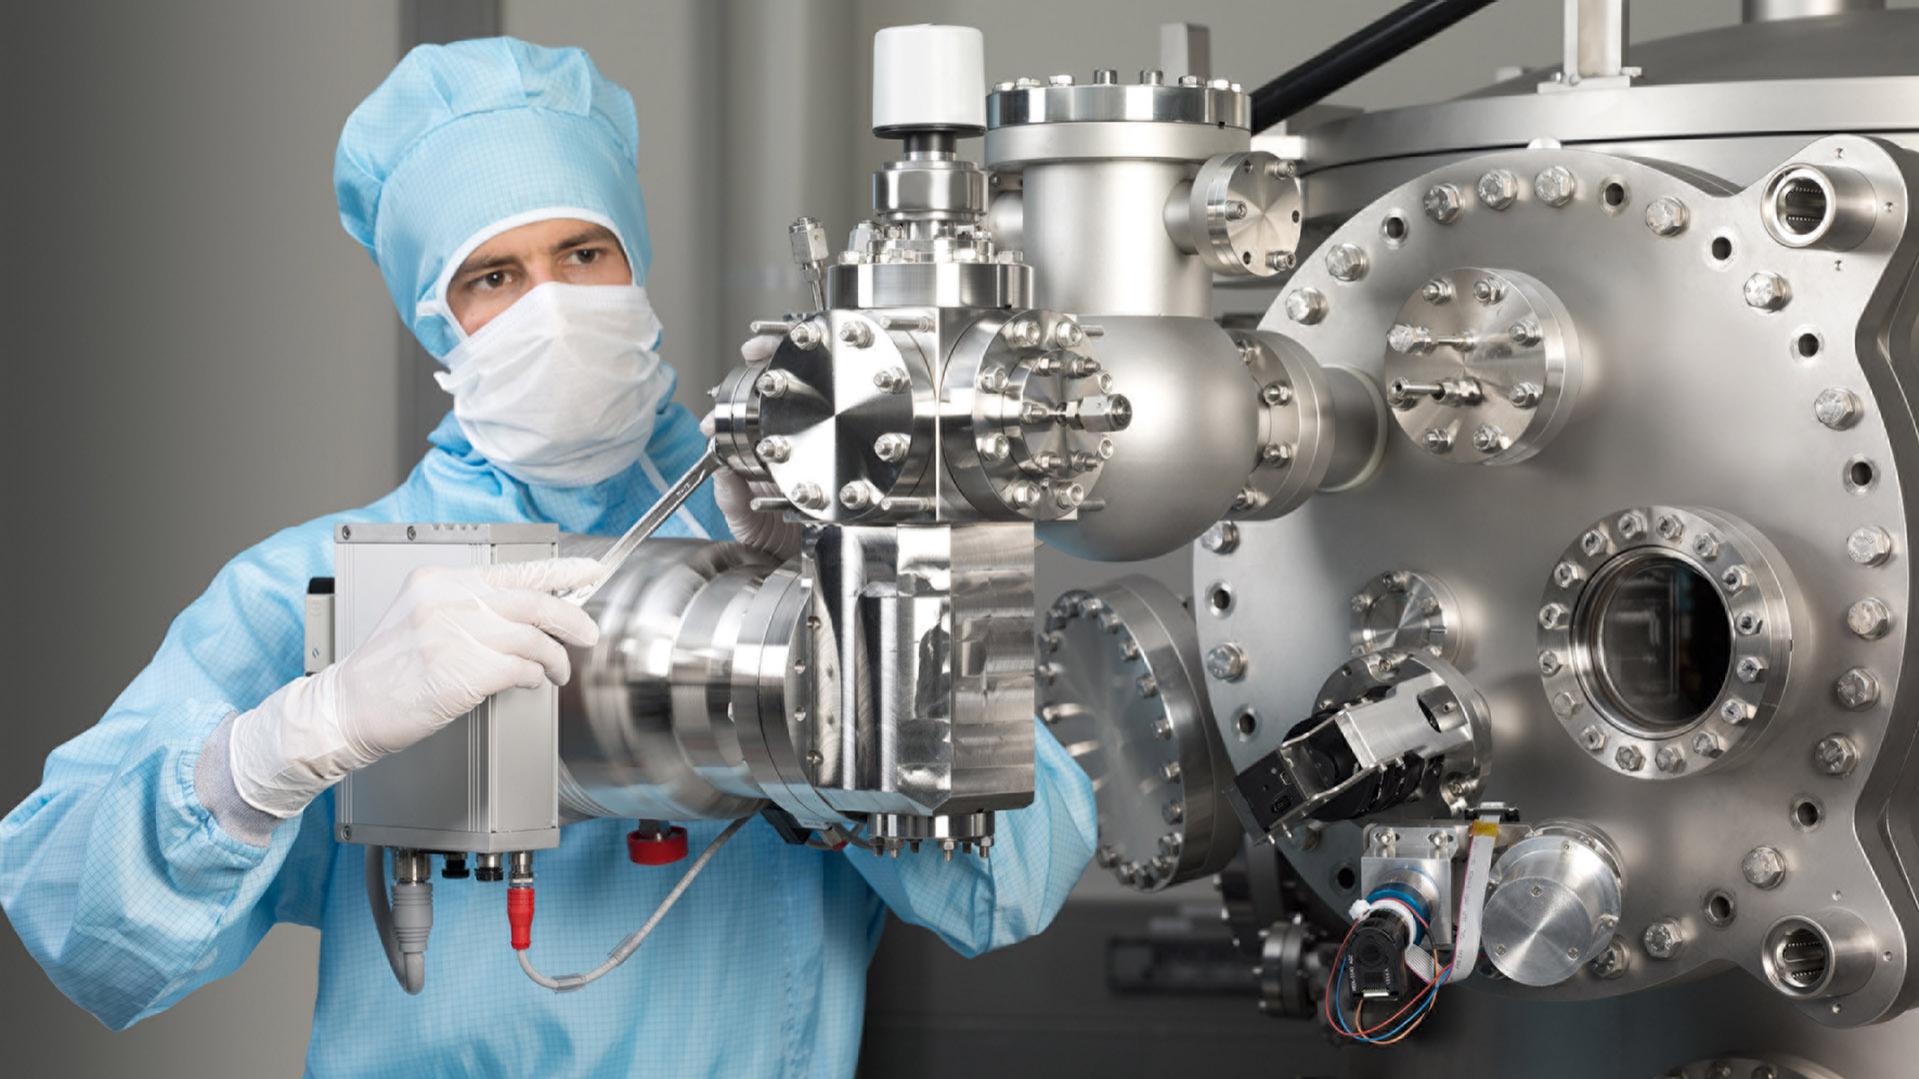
{"x": 1355, "y": 55}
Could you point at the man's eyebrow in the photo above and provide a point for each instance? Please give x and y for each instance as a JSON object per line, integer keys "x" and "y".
{"x": 480, "y": 262}
{"x": 590, "y": 235}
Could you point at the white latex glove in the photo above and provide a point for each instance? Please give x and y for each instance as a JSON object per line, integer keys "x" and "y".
{"x": 453, "y": 637}
{"x": 734, "y": 494}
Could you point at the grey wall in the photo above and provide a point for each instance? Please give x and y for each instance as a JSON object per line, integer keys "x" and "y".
{"x": 196, "y": 355}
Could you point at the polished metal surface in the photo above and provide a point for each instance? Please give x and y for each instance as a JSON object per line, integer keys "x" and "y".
{"x": 1482, "y": 366}
{"x": 1704, "y": 397}
{"x": 1213, "y": 103}
{"x": 1121, "y": 687}
{"x": 1241, "y": 215}
{"x": 1554, "y": 905}
{"x": 1407, "y": 611}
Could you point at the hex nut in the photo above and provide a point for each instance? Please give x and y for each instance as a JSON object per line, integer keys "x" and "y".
{"x": 1837, "y": 407}
{"x": 1630, "y": 758}
{"x": 1764, "y": 867}
{"x": 1869, "y": 545}
{"x": 1869, "y": 618}
{"x": 1767, "y": 291}
{"x": 1442, "y": 203}
{"x": 1226, "y": 662}
{"x": 1306, "y": 306}
{"x": 1554, "y": 185}
{"x": 1664, "y": 939}
{"x": 1835, "y": 755}
{"x": 1497, "y": 188}
{"x": 1667, "y": 216}
{"x": 1857, "y": 689}
{"x": 1346, "y": 262}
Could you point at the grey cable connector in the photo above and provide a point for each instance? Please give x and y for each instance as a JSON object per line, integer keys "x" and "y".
{"x": 404, "y": 925}
{"x": 568, "y": 982}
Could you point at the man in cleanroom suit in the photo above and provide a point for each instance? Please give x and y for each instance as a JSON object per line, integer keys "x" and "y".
{"x": 494, "y": 184}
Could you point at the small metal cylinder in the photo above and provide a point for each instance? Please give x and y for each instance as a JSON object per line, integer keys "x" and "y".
{"x": 1094, "y": 231}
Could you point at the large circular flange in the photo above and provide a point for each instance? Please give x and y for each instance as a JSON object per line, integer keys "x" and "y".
{"x": 1482, "y": 366}
{"x": 1453, "y": 705}
{"x": 839, "y": 384}
{"x": 1119, "y": 686}
{"x": 1295, "y": 408}
{"x": 1243, "y": 214}
{"x": 1704, "y": 598}
{"x": 1401, "y": 610}
{"x": 1216, "y": 104}
{"x": 784, "y": 697}
{"x": 1030, "y": 415}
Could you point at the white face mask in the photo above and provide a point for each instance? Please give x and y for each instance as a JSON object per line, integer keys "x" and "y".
{"x": 560, "y": 389}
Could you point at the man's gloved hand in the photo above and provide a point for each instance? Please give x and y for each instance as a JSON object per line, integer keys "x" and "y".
{"x": 453, "y": 637}
{"x": 734, "y": 494}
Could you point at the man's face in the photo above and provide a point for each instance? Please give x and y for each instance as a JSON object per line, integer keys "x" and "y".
{"x": 504, "y": 268}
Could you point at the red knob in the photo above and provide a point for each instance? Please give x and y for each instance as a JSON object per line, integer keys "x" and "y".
{"x": 656, "y": 848}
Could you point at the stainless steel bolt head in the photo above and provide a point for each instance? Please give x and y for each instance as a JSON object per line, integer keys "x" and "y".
{"x": 1276, "y": 393}
{"x": 809, "y": 496}
{"x": 1068, "y": 334}
{"x": 1555, "y": 185}
{"x": 892, "y": 379}
{"x": 1630, "y": 758}
{"x": 1748, "y": 623}
{"x": 858, "y": 495}
{"x": 1497, "y": 188}
{"x": 1346, "y": 262}
{"x": 1568, "y": 574}
{"x": 774, "y": 449}
{"x": 1488, "y": 291}
{"x": 995, "y": 447}
{"x": 1837, "y": 407}
{"x": 1554, "y": 615}
{"x": 1767, "y": 291}
{"x": 1437, "y": 291}
{"x": 857, "y": 334}
{"x": 1706, "y": 546}
{"x": 1670, "y": 759}
{"x": 806, "y": 335}
{"x": 1631, "y": 524}
{"x": 1305, "y": 306}
{"x": 1593, "y": 543}
{"x": 1437, "y": 439}
{"x": 1869, "y": 545}
{"x": 1403, "y": 338}
{"x": 1593, "y": 738}
{"x": 771, "y": 383}
{"x": 1280, "y": 261}
{"x": 1525, "y": 333}
{"x": 1869, "y": 618}
{"x": 1708, "y": 745}
{"x": 1857, "y": 689}
{"x": 1564, "y": 704}
{"x": 1670, "y": 527}
{"x": 1667, "y": 216}
{"x": 1750, "y": 669}
{"x": 1226, "y": 662}
{"x": 1664, "y": 939}
{"x": 1736, "y": 578}
{"x": 1222, "y": 538}
{"x": 892, "y": 447}
{"x": 1835, "y": 755}
{"x": 1442, "y": 203}
{"x": 1549, "y": 663}
{"x": 1763, "y": 867}
{"x": 1736, "y": 711}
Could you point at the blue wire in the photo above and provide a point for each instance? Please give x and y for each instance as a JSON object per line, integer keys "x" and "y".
{"x": 1431, "y": 993}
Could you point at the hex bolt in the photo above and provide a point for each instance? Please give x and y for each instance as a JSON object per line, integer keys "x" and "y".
{"x": 1764, "y": 867}
{"x": 991, "y": 380}
{"x": 1568, "y": 574}
{"x": 1555, "y": 185}
{"x": 1278, "y": 455}
{"x": 1708, "y": 745}
{"x": 857, "y": 334}
{"x": 1837, "y": 407}
{"x": 1736, "y": 579}
{"x": 1226, "y": 662}
{"x": 1437, "y": 291}
{"x": 1593, "y": 543}
{"x": 1173, "y": 812}
{"x": 1670, "y": 528}
{"x": 1554, "y": 615}
{"x": 1488, "y": 291}
{"x": 1222, "y": 538}
{"x": 1497, "y": 189}
{"x": 858, "y": 495}
{"x": 1438, "y": 439}
{"x": 809, "y": 496}
{"x": 1612, "y": 961}
{"x": 1869, "y": 545}
{"x": 1488, "y": 438}
{"x": 1069, "y": 496}
{"x": 1706, "y": 546}
{"x": 1664, "y": 939}
{"x": 1276, "y": 393}
{"x": 1068, "y": 334}
{"x": 1346, "y": 262}
{"x": 774, "y": 449}
{"x": 1305, "y": 305}
{"x": 1835, "y": 755}
{"x": 1630, "y": 758}
{"x": 1737, "y": 712}
{"x": 772, "y": 383}
{"x": 994, "y": 447}
{"x": 1162, "y": 727}
{"x": 1667, "y": 216}
{"x": 1027, "y": 333}
{"x": 1767, "y": 291}
{"x": 1549, "y": 663}
{"x": 1748, "y": 623}
{"x": 806, "y": 335}
{"x": 1525, "y": 333}
{"x": 1280, "y": 261}
{"x": 892, "y": 447}
{"x": 1442, "y": 203}
{"x": 1869, "y": 618}
{"x": 1670, "y": 760}
{"x": 892, "y": 379}
{"x": 1593, "y": 738}
{"x": 1750, "y": 669}
{"x": 1631, "y": 524}
{"x": 1857, "y": 689}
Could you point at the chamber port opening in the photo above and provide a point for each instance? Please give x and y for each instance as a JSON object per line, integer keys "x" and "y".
{"x": 1654, "y": 640}
{"x": 1800, "y": 205}
{"x": 1798, "y": 958}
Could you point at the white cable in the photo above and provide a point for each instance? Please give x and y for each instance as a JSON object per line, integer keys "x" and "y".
{"x": 1472, "y": 901}
{"x": 565, "y": 983}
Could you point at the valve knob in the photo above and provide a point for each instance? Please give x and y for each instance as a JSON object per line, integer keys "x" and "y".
{"x": 655, "y": 844}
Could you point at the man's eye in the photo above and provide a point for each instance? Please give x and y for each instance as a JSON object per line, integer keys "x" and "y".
{"x": 586, "y": 256}
{"x": 490, "y": 281}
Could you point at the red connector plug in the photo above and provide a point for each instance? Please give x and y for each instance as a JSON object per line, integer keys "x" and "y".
{"x": 519, "y": 915}
{"x": 652, "y": 844}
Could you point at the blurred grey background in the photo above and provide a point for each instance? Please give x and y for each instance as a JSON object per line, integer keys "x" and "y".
{"x": 197, "y": 355}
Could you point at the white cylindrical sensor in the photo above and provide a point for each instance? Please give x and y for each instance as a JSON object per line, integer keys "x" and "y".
{"x": 929, "y": 78}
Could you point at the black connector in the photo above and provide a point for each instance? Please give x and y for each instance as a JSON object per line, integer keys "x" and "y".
{"x": 1376, "y": 957}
